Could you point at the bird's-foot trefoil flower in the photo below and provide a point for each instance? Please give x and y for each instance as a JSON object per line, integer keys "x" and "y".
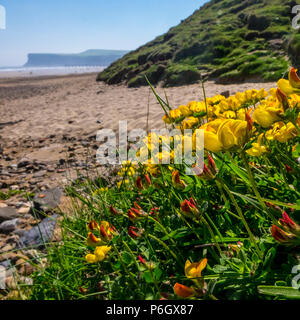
{"x": 99, "y": 255}
{"x": 177, "y": 182}
{"x": 189, "y": 208}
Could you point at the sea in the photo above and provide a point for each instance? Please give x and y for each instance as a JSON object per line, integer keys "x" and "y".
{"x": 7, "y": 72}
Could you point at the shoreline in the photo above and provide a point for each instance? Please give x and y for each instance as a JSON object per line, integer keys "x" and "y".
{"x": 46, "y": 71}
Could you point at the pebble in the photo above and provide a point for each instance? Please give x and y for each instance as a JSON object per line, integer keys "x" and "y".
{"x": 24, "y": 210}
{"x": 40, "y": 174}
{"x": 8, "y": 213}
{"x": 48, "y": 200}
{"x": 9, "y": 226}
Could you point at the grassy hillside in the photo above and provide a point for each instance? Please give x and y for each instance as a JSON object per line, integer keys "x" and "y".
{"x": 227, "y": 40}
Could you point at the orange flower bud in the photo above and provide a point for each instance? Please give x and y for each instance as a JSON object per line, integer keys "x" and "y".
{"x": 134, "y": 232}
{"x": 249, "y": 120}
{"x": 139, "y": 183}
{"x": 294, "y": 78}
{"x": 183, "y": 291}
{"x": 188, "y": 208}
{"x": 93, "y": 225}
{"x": 148, "y": 180}
{"x": 93, "y": 241}
{"x": 281, "y": 236}
{"x": 114, "y": 211}
{"x": 177, "y": 182}
{"x": 283, "y": 99}
{"x": 211, "y": 164}
{"x": 289, "y": 224}
{"x": 135, "y": 213}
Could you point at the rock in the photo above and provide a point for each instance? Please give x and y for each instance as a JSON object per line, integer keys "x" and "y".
{"x": 48, "y": 200}
{"x": 8, "y": 213}
{"x": 8, "y": 256}
{"x": 19, "y": 232}
{"x": 40, "y": 174}
{"x": 24, "y": 210}
{"x": 9, "y": 226}
{"x": 23, "y": 163}
{"x": 3, "y": 205}
{"x": 276, "y": 44}
{"x": 40, "y": 234}
{"x": 226, "y": 94}
{"x": 7, "y": 248}
{"x": 5, "y": 264}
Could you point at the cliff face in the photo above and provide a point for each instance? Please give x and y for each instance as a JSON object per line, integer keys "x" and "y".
{"x": 227, "y": 40}
{"x": 88, "y": 58}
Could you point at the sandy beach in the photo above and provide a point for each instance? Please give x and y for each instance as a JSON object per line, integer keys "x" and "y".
{"x": 52, "y": 120}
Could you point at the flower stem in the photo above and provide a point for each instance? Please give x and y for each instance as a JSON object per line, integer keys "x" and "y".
{"x": 239, "y": 211}
{"x": 254, "y": 187}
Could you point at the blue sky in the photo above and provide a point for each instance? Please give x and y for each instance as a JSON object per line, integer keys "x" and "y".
{"x": 71, "y": 26}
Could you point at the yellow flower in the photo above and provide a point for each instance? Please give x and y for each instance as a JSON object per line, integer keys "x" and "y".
{"x": 229, "y": 115}
{"x": 233, "y": 133}
{"x": 198, "y": 107}
{"x": 240, "y": 96}
{"x": 194, "y": 270}
{"x": 99, "y": 191}
{"x": 99, "y": 254}
{"x": 91, "y": 258}
{"x": 167, "y": 119}
{"x": 189, "y": 123}
{"x": 211, "y": 141}
{"x": 122, "y": 182}
{"x": 175, "y": 114}
{"x": 265, "y": 115}
{"x": 241, "y": 115}
{"x": 261, "y": 94}
{"x": 282, "y": 132}
{"x": 292, "y": 85}
{"x": 224, "y": 106}
{"x": 152, "y": 169}
{"x": 128, "y": 169}
{"x": 234, "y": 104}
{"x": 257, "y": 148}
{"x": 185, "y": 111}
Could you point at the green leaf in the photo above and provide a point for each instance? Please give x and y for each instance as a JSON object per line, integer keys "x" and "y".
{"x": 157, "y": 273}
{"x": 219, "y": 269}
{"x": 283, "y": 292}
{"x": 147, "y": 276}
{"x": 126, "y": 257}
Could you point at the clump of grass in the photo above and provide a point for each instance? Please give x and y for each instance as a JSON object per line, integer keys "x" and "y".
{"x": 157, "y": 220}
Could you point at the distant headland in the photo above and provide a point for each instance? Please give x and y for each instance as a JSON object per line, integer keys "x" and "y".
{"x": 92, "y": 57}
